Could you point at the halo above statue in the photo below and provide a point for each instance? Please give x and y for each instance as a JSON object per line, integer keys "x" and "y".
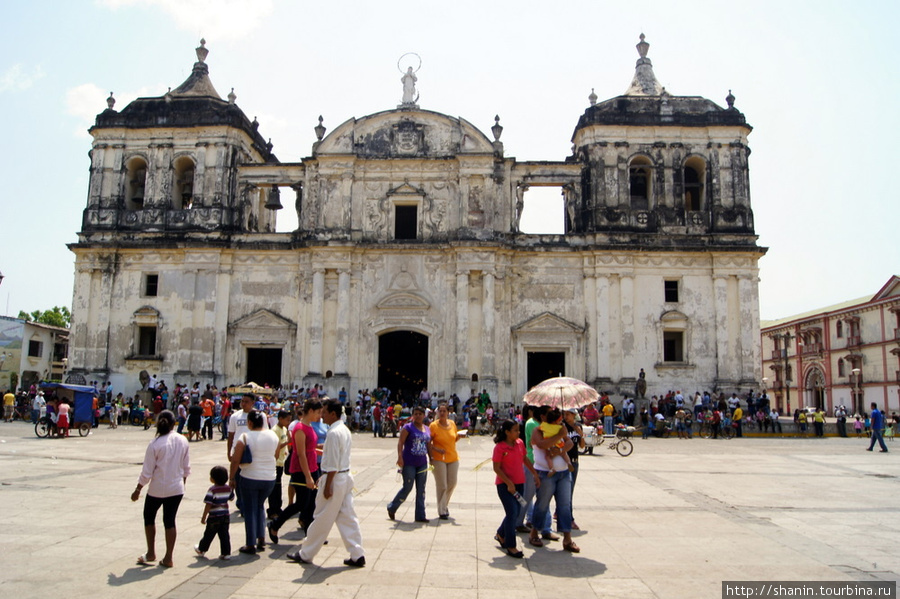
{"x": 401, "y": 63}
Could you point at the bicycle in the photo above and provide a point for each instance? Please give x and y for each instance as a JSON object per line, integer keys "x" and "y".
{"x": 619, "y": 442}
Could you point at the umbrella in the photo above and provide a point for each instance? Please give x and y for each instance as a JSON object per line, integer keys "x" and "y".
{"x": 561, "y": 392}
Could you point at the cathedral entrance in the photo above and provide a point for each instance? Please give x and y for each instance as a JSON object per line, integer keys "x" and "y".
{"x": 544, "y": 365}
{"x": 403, "y": 362}
{"x": 264, "y": 366}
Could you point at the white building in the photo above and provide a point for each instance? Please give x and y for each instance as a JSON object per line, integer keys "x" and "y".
{"x": 408, "y": 268}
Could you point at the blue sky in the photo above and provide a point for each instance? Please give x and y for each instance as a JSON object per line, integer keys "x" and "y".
{"x": 818, "y": 81}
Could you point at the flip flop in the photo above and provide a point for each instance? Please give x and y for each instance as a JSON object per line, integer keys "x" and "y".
{"x": 143, "y": 561}
{"x": 163, "y": 564}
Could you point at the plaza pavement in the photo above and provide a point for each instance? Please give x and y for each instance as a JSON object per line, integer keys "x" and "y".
{"x": 673, "y": 520}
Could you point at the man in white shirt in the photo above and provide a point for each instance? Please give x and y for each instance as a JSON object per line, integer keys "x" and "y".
{"x": 334, "y": 502}
{"x": 237, "y": 424}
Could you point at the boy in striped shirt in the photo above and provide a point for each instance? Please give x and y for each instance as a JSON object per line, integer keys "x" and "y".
{"x": 215, "y": 513}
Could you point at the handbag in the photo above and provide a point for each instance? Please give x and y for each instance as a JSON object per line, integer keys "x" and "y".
{"x": 247, "y": 456}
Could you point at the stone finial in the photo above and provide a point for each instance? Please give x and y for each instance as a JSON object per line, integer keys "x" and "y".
{"x": 255, "y": 124}
{"x": 319, "y": 129}
{"x": 269, "y": 146}
{"x": 231, "y": 96}
{"x": 593, "y": 97}
{"x": 202, "y": 52}
{"x": 642, "y": 47}
{"x": 497, "y": 129}
{"x": 729, "y": 99}
{"x": 110, "y": 101}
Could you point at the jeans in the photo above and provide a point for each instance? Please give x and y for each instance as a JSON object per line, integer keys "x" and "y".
{"x": 216, "y": 525}
{"x": 376, "y": 428}
{"x": 608, "y": 425}
{"x": 254, "y": 494}
{"x": 417, "y": 475}
{"x": 876, "y": 435}
{"x": 511, "y": 506}
{"x": 558, "y": 487}
{"x": 35, "y": 414}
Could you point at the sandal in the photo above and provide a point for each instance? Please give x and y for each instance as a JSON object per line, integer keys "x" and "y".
{"x": 163, "y": 564}
{"x": 571, "y": 547}
{"x": 535, "y": 541}
{"x": 143, "y": 560}
{"x": 499, "y": 539}
{"x": 515, "y": 553}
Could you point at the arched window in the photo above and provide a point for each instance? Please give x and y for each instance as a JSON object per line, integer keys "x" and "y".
{"x": 841, "y": 367}
{"x": 639, "y": 182}
{"x": 183, "y": 189}
{"x": 135, "y": 183}
{"x": 694, "y": 172}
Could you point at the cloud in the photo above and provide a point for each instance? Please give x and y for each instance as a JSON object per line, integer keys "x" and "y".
{"x": 17, "y": 78}
{"x": 86, "y": 101}
{"x": 213, "y": 19}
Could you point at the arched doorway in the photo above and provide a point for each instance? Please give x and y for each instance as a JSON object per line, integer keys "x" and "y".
{"x": 403, "y": 362}
{"x": 815, "y": 388}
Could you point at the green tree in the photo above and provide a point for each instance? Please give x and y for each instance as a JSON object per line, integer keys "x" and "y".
{"x": 58, "y": 316}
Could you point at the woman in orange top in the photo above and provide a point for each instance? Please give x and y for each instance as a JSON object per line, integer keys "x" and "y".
{"x": 444, "y": 458}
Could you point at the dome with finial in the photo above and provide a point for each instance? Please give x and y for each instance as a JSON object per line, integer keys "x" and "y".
{"x": 647, "y": 103}
{"x": 644, "y": 82}
{"x": 193, "y": 103}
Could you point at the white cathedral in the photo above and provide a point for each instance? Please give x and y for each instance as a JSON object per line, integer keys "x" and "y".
{"x": 408, "y": 268}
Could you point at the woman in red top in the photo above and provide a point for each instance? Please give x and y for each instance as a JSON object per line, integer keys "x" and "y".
{"x": 304, "y": 470}
{"x": 510, "y": 460}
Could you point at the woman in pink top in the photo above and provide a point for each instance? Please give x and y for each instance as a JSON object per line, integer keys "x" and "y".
{"x": 62, "y": 421}
{"x": 304, "y": 470}
{"x": 166, "y": 468}
{"x": 509, "y": 461}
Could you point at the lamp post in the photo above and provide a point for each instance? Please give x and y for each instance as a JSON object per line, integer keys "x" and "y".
{"x": 857, "y": 400}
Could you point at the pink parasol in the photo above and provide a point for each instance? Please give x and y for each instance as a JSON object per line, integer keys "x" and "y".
{"x": 561, "y": 392}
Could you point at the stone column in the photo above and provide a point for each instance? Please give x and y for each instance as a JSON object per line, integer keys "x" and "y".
{"x": 342, "y": 343}
{"x": 626, "y": 306}
{"x": 615, "y": 346}
{"x": 316, "y": 318}
{"x": 222, "y": 300}
{"x": 749, "y": 309}
{"x": 602, "y": 336}
{"x": 487, "y": 325}
{"x": 720, "y": 292}
{"x": 462, "y": 323}
{"x": 590, "y": 317}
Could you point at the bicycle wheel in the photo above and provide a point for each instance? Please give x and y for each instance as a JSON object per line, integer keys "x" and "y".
{"x": 624, "y": 448}
{"x": 706, "y": 431}
{"x": 42, "y": 428}
{"x": 84, "y": 429}
{"x": 728, "y": 432}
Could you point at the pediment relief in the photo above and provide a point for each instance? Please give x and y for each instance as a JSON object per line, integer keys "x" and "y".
{"x": 403, "y": 301}
{"x": 406, "y": 190}
{"x": 673, "y": 316}
{"x": 263, "y": 319}
{"x": 547, "y": 323}
{"x": 405, "y": 133}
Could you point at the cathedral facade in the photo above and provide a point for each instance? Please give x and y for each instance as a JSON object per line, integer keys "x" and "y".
{"x": 408, "y": 267}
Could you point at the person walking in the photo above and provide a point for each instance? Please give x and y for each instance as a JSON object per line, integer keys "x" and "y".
{"x": 413, "y": 448}
{"x": 167, "y": 465}
{"x": 304, "y": 471}
{"x": 334, "y": 505}
{"x": 557, "y": 486}
{"x": 877, "y": 418}
{"x": 257, "y": 478}
{"x": 510, "y": 461}
{"x": 444, "y": 458}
